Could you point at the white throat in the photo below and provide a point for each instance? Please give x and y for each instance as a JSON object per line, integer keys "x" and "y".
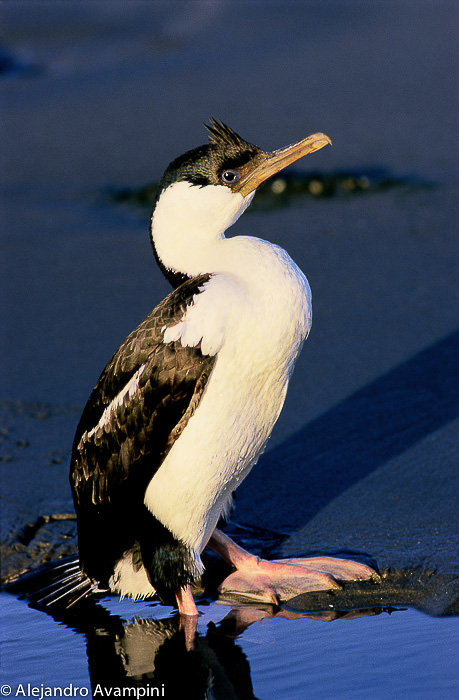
{"x": 253, "y": 314}
{"x": 189, "y": 221}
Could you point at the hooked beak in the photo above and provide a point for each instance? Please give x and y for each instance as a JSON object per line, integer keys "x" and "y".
{"x": 275, "y": 161}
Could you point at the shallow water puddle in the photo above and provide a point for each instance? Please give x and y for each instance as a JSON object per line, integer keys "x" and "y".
{"x": 405, "y": 654}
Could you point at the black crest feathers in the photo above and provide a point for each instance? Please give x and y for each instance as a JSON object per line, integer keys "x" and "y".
{"x": 222, "y": 135}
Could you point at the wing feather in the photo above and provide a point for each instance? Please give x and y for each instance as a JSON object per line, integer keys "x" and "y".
{"x": 141, "y": 422}
{"x": 140, "y": 405}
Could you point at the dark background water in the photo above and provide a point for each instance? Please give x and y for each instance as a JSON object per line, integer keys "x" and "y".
{"x": 98, "y": 97}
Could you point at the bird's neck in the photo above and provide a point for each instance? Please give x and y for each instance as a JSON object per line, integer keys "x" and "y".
{"x": 188, "y": 225}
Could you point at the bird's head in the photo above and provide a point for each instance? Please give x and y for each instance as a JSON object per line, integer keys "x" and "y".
{"x": 204, "y": 191}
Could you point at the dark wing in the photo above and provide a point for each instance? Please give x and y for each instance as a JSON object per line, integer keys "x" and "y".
{"x": 141, "y": 403}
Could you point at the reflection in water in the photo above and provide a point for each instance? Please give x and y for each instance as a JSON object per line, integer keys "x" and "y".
{"x": 157, "y": 653}
{"x": 168, "y": 657}
{"x": 142, "y": 647}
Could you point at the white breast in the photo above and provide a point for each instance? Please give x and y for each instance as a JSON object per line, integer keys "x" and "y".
{"x": 254, "y": 313}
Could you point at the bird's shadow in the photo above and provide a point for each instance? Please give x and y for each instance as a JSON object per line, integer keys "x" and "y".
{"x": 352, "y": 439}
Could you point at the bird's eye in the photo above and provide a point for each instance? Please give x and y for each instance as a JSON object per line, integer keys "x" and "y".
{"x": 229, "y": 177}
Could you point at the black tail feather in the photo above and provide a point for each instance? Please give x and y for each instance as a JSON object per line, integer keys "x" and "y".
{"x": 57, "y": 586}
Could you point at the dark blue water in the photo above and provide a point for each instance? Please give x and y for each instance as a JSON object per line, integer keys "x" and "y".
{"x": 405, "y": 654}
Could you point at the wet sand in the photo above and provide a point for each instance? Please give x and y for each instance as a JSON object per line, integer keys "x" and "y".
{"x": 363, "y": 460}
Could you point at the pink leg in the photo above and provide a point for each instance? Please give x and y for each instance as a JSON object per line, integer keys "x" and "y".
{"x": 276, "y": 581}
{"x": 188, "y": 615}
{"x": 229, "y": 551}
{"x": 185, "y": 602}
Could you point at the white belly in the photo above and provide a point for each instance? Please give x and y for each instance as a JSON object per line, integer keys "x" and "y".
{"x": 256, "y": 344}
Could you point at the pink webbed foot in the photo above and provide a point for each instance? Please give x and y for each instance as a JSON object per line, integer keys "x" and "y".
{"x": 279, "y": 581}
